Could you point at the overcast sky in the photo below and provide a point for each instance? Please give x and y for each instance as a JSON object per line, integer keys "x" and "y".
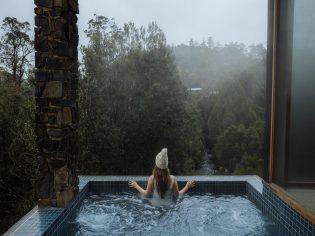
{"x": 243, "y": 21}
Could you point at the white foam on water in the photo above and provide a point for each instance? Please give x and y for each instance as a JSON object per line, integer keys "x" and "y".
{"x": 204, "y": 214}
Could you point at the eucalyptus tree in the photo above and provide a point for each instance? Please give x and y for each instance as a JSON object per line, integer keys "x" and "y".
{"x": 15, "y": 48}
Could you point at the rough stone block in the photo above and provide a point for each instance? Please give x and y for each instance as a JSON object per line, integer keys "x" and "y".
{"x": 61, "y": 178}
{"x": 46, "y": 202}
{"x": 74, "y": 5}
{"x": 42, "y": 102}
{"x": 49, "y": 63}
{"x": 46, "y": 31}
{"x": 39, "y": 62}
{"x": 53, "y": 201}
{"x": 62, "y": 49}
{"x": 41, "y": 44}
{"x": 57, "y": 163}
{"x": 44, "y": 3}
{"x": 75, "y": 53}
{"x": 59, "y": 75}
{"x": 59, "y": 30}
{"x": 51, "y": 119}
{"x": 49, "y": 109}
{"x": 56, "y": 12}
{"x": 41, "y": 161}
{"x": 67, "y": 116}
{"x": 39, "y": 89}
{"x": 64, "y": 197}
{"x": 53, "y": 146}
{"x": 38, "y": 10}
{"x": 64, "y": 116}
{"x": 41, "y": 76}
{"x": 71, "y": 17}
{"x": 75, "y": 39}
{"x": 56, "y": 64}
{"x": 40, "y": 21}
{"x": 53, "y": 89}
{"x": 44, "y": 186}
{"x": 59, "y": 3}
{"x": 38, "y": 31}
{"x": 66, "y": 103}
{"x": 55, "y": 133}
{"x": 75, "y": 29}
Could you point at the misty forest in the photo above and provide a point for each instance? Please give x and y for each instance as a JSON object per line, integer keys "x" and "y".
{"x": 202, "y": 100}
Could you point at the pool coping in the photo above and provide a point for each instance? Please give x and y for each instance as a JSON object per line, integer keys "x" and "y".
{"x": 257, "y": 187}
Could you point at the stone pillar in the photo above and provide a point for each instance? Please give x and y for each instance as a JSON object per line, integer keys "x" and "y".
{"x": 56, "y": 61}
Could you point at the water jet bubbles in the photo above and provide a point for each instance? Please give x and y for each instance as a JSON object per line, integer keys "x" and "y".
{"x": 193, "y": 215}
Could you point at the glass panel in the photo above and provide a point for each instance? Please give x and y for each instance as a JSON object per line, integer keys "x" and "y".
{"x": 301, "y": 161}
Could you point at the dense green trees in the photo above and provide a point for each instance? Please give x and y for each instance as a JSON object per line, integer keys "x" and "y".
{"x": 237, "y": 141}
{"x": 133, "y": 103}
{"x": 18, "y": 167}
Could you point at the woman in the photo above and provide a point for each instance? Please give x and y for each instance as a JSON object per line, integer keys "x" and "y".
{"x": 161, "y": 184}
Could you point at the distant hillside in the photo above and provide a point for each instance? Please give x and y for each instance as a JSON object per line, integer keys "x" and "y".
{"x": 205, "y": 64}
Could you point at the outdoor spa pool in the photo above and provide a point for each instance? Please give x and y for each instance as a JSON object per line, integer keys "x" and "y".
{"x": 203, "y": 214}
{"x": 217, "y": 205}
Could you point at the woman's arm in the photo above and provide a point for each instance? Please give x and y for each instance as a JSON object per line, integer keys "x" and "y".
{"x": 148, "y": 191}
{"x": 188, "y": 185}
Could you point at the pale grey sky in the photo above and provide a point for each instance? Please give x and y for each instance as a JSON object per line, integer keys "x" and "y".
{"x": 243, "y": 21}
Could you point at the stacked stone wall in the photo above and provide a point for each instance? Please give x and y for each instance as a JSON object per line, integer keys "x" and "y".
{"x": 56, "y": 61}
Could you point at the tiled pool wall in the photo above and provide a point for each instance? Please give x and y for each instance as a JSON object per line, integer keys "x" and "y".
{"x": 58, "y": 227}
{"x": 52, "y": 221}
{"x": 291, "y": 222}
{"x": 222, "y": 187}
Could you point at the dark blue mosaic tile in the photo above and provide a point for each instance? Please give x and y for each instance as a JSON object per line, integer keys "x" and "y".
{"x": 291, "y": 221}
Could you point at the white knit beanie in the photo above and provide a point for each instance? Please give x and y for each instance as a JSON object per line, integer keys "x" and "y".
{"x": 161, "y": 159}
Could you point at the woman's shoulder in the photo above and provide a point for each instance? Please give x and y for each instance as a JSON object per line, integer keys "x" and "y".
{"x": 172, "y": 177}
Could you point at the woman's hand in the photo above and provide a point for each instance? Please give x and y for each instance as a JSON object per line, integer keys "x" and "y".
{"x": 146, "y": 192}
{"x": 133, "y": 184}
{"x": 190, "y": 184}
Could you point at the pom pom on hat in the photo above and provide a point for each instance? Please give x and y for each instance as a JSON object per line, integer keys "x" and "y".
{"x": 161, "y": 159}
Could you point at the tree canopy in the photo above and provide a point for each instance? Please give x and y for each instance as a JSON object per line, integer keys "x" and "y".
{"x": 133, "y": 102}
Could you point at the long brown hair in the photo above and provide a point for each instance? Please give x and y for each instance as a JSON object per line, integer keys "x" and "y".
{"x": 162, "y": 180}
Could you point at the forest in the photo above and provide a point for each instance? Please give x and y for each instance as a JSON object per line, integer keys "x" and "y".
{"x": 135, "y": 97}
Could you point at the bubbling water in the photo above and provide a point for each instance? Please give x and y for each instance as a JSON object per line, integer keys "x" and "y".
{"x": 128, "y": 214}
